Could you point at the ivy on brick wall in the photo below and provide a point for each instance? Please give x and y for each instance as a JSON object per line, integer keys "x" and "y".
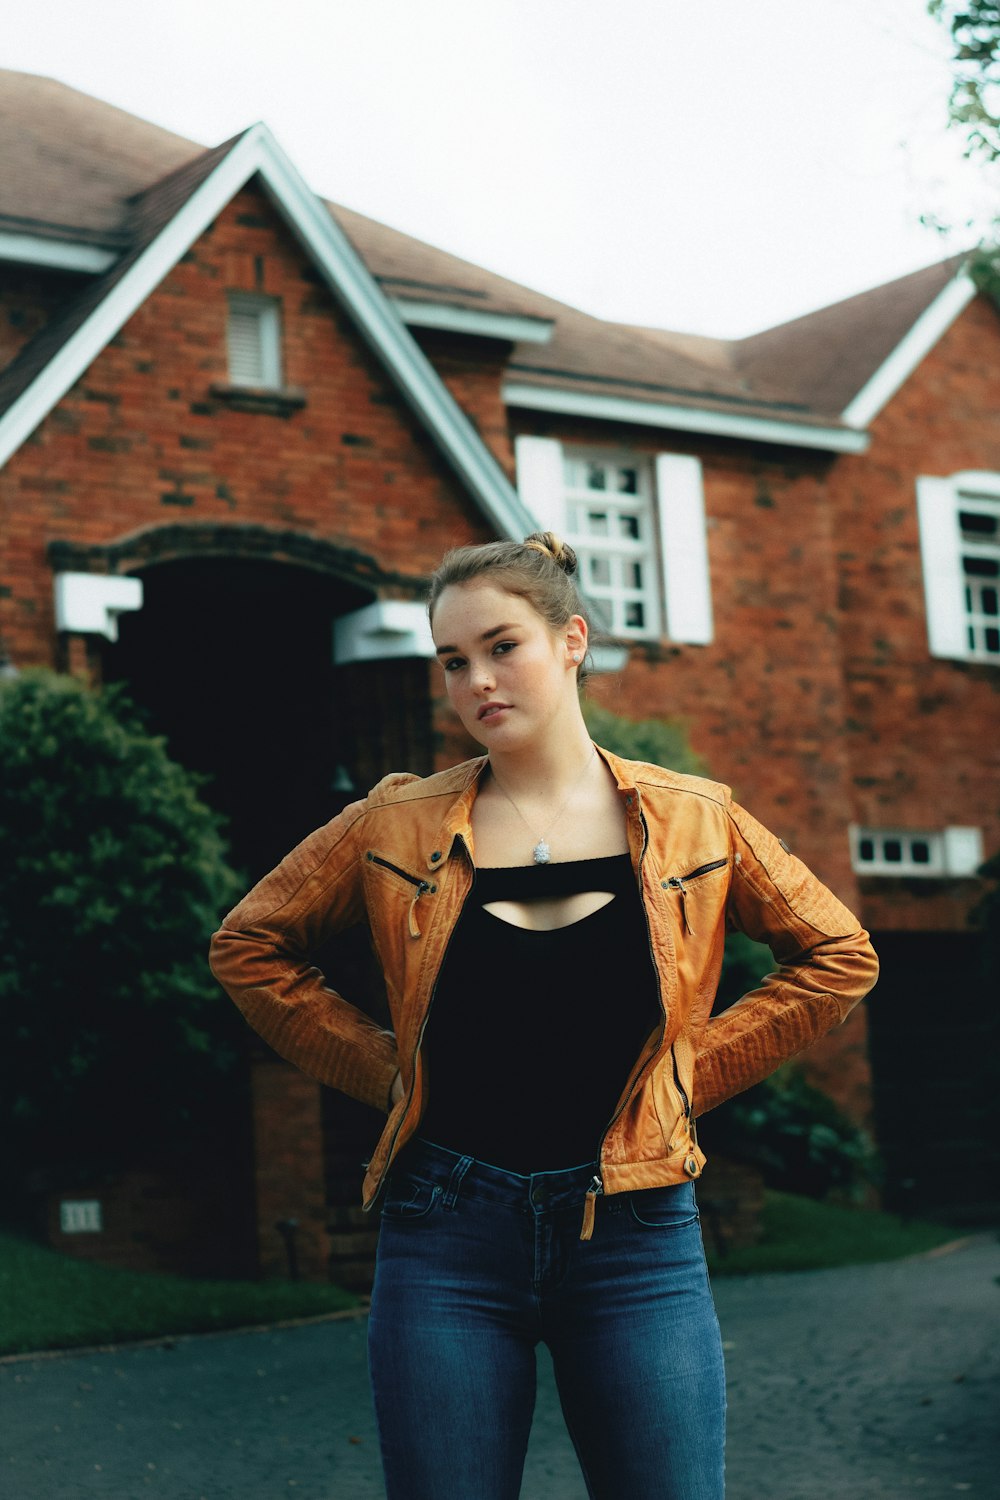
{"x": 114, "y": 1038}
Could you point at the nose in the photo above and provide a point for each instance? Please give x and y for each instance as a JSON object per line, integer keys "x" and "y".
{"x": 483, "y": 677}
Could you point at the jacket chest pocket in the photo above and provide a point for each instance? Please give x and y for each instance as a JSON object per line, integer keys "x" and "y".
{"x": 682, "y": 885}
{"x": 396, "y": 889}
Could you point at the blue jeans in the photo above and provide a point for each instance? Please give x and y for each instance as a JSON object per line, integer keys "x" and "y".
{"x": 475, "y": 1267}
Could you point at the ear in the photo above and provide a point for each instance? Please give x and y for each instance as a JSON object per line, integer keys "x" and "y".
{"x": 576, "y": 640}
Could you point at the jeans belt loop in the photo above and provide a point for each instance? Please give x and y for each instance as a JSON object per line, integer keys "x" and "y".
{"x": 454, "y": 1187}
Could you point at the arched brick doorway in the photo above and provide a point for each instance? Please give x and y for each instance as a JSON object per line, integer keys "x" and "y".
{"x": 231, "y": 659}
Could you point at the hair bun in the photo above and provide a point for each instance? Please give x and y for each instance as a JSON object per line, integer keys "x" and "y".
{"x": 550, "y": 545}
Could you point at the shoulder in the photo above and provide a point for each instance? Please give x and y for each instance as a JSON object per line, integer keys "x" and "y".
{"x": 401, "y": 788}
{"x": 659, "y": 782}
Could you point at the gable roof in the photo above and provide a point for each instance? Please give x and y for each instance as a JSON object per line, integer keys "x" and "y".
{"x": 81, "y": 170}
{"x": 165, "y": 221}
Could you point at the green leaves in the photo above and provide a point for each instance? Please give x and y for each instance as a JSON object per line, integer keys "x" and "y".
{"x": 113, "y": 875}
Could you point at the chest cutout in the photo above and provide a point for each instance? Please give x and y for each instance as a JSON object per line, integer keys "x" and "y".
{"x": 548, "y": 914}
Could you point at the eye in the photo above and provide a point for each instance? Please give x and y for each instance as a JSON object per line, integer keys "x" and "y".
{"x": 502, "y": 647}
{"x": 453, "y": 663}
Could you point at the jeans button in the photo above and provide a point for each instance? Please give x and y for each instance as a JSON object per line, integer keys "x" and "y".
{"x": 538, "y": 1195}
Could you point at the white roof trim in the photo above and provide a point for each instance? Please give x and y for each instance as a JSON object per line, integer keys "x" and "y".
{"x": 348, "y": 278}
{"x": 59, "y": 255}
{"x": 931, "y": 325}
{"x": 683, "y": 418}
{"x": 517, "y": 327}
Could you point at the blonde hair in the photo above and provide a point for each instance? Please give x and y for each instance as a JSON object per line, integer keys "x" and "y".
{"x": 541, "y": 569}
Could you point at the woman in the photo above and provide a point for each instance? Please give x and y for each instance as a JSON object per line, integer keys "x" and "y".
{"x": 565, "y": 911}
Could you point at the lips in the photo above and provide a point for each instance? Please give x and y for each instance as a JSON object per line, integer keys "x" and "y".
{"x": 490, "y": 710}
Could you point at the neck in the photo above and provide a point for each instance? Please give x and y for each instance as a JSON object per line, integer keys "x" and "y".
{"x": 547, "y": 767}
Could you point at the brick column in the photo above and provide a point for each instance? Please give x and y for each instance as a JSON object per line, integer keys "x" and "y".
{"x": 288, "y": 1170}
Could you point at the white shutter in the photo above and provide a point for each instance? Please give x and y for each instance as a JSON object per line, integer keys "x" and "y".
{"x": 541, "y": 482}
{"x": 684, "y": 548}
{"x": 941, "y": 554}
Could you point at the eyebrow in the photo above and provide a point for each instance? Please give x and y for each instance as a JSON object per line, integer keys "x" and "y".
{"x": 487, "y": 635}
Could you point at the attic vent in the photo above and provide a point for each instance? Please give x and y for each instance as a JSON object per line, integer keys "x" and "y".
{"x": 254, "y": 339}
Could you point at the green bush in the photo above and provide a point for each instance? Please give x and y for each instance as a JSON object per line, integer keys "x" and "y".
{"x": 800, "y": 1139}
{"x": 113, "y": 874}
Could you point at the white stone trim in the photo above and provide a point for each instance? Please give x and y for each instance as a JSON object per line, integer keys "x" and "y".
{"x": 895, "y": 371}
{"x": 257, "y": 152}
{"x": 387, "y": 629}
{"x": 57, "y": 255}
{"x": 516, "y": 327}
{"x": 90, "y": 603}
{"x": 682, "y": 418}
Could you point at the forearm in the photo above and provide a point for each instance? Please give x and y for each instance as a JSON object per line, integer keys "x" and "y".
{"x": 261, "y": 956}
{"x": 826, "y": 965}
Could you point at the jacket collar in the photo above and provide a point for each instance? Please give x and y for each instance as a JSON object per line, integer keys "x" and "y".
{"x": 457, "y": 823}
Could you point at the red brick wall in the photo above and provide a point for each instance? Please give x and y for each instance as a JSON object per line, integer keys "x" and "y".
{"x": 922, "y": 733}
{"x": 142, "y": 440}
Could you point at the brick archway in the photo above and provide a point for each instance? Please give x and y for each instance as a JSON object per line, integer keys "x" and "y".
{"x": 153, "y": 545}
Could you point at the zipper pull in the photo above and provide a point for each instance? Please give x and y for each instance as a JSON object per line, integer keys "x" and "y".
{"x": 678, "y": 884}
{"x": 412, "y": 921}
{"x": 590, "y": 1206}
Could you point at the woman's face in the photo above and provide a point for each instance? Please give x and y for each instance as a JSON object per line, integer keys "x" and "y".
{"x": 508, "y": 673}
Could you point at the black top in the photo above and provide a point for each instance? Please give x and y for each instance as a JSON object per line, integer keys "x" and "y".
{"x": 532, "y": 1035}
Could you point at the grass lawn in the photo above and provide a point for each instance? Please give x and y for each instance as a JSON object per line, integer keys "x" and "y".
{"x": 801, "y": 1234}
{"x": 51, "y": 1301}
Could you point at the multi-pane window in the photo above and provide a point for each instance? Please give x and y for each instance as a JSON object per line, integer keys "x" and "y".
{"x": 610, "y": 524}
{"x": 979, "y": 524}
{"x": 254, "y": 340}
{"x": 953, "y": 851}
{"x": 880, "y": 851}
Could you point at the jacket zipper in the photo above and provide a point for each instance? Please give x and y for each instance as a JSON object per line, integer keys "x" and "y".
{"x": 423, "y": 1024}
{"x": 676, "y": 882}
{"x": 596, "y": 1188}
{"x": 422, "y": 887}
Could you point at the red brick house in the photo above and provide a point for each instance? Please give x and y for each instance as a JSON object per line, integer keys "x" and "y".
{"x": 239, "y": 425}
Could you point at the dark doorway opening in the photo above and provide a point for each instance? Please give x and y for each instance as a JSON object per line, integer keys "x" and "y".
{"x": 934, "y": 1036}
{"x": 231, "y": 660}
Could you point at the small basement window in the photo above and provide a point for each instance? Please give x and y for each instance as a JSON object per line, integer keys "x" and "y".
{"x": 80, "y": 1216}
{"x": 254, "y": 340}
{"x": 954, "y": 852}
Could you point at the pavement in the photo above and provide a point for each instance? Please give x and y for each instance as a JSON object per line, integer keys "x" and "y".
{"x": 864, "y": 1383}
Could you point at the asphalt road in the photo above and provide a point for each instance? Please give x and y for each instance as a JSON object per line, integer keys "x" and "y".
{"x": 867, "y": 1383}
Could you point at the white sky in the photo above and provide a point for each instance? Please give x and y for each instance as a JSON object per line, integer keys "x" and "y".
{"x": 715, "y": 168}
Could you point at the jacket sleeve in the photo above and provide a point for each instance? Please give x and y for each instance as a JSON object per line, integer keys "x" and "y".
{"x": 261, "y": 957}
{"x": 826, "y": 965}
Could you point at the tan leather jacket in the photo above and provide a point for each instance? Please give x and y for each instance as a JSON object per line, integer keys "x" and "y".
{"x": 402, "y": 859}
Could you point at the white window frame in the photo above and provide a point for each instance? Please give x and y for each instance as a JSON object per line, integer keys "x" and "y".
{"x": 956, "y": 629}
{"x": 954, "y": 852}
{"x": 672, "y": 544}
{"x": 253, "y": 341}
{"x": 615, "y": 552}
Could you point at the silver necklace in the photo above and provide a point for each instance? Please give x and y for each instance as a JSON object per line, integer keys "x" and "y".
{"x": 541, "y": 852}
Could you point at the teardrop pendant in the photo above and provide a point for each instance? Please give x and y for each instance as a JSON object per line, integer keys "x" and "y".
{"x": 542, "y": 853}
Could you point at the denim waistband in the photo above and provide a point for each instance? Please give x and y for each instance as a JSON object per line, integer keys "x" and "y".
{"x": 456, "y": 1174}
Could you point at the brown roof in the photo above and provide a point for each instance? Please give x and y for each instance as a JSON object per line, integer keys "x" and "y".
{"x": 75, "y": 167}
{"x": 831, "y": 354}
{"x": 70, "y": 161}
{"x": 147, "y": 214}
